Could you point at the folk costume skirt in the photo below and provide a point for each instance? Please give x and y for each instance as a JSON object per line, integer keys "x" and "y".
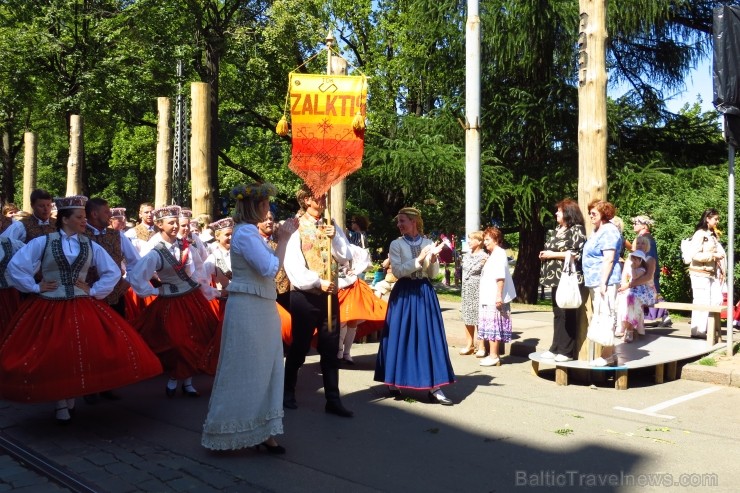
{"x": 358, "y": 303}
{"x": 135, "y": 304}
{"x": 413, "y": 347}
{"x": 58, "y": 349}
{"x": 10, "y": 300}
{"x": 179, "y": 330}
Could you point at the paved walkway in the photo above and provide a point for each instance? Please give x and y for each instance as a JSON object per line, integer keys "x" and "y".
{"x": 505, "y": 423}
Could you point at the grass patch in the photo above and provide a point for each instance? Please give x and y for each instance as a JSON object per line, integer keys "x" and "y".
{"x": 564, "y": 432}
{"x": 708, "y": 361}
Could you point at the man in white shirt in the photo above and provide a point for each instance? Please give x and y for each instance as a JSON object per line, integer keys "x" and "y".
{"x": 146, "y": 228}
{"x": 35, "y": 225}
{"x": 305, "y": 264}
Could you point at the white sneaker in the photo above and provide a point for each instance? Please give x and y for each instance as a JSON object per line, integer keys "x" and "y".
{"x": 561, "y": 358}
{"x": 667, "y": 322}
{"x": 604, "y": 361}
{"x": 489, "y": 361}
{"x": 547, "y": 355}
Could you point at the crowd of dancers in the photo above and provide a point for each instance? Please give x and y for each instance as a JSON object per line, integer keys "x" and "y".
{"x": 87, "y": 308}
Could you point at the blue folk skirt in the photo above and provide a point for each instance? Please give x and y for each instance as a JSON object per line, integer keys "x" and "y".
{"x": 413, "y": 348}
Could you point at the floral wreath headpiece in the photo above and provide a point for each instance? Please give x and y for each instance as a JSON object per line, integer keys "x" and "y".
{"x": 256, "y": 191}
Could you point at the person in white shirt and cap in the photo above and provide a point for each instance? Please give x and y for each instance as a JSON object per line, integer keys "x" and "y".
{"x": 118, "y": 218}
{"x": 179, "y": 324}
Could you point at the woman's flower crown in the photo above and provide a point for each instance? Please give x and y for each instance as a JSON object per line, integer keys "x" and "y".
{"x": 256, "y": 191}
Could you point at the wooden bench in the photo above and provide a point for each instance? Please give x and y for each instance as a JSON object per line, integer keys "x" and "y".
{"x": 657, "y": 351}
{"x": 714, "y": 324}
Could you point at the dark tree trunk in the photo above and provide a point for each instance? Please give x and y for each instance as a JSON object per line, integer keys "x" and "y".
{"x": 213, "y": 58}
{"x": 7, "y": 187}
{"x": 527, "y": 271}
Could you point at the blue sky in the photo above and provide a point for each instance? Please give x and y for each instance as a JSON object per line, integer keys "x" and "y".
{"x": 698, "y": 85}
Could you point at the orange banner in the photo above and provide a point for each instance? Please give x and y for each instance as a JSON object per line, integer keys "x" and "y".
{"x": 326, "y": 148}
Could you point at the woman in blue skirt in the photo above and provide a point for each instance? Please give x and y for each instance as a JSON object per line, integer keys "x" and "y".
{"x": 413, "y": 349}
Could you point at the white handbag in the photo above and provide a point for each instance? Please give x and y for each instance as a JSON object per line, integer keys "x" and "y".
{"x": 568, "y": 295}
{"x": 603, "y": 323}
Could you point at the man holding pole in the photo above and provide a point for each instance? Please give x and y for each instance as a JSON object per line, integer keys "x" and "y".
{"x": 310, "y": 262}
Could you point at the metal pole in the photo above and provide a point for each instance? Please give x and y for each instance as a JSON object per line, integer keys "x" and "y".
{"x": 730, "y": 245}
{"x": 472, "y": 119}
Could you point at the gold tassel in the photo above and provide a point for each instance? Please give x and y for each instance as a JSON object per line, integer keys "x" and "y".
{"x": 358, "y": 122}
{"x": 282, "y": 127}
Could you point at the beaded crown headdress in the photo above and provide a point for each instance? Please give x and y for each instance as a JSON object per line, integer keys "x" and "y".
{"x": 71, "y": 202}
{"x": 118, "y": 212}
{"x": 166, "y": 211}
{"x": 224, "y": 223}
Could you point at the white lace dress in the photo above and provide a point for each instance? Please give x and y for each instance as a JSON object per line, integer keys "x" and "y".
{"x": 246, "y": 405}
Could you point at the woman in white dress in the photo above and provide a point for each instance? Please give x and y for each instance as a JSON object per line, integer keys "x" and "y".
{"x": 246, "y": 407}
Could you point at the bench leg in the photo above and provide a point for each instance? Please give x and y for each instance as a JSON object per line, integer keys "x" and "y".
{"x": 561, "y": 376}
{"x": 535, "y": 368}
{"x": 670, "y": 371}
{"x": 713, "y": 329}
{"x": 659, "y": 374}
{"x": 620, "y": 382}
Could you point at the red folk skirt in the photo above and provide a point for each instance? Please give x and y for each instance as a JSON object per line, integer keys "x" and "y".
{"x": 135, "y": 304}
{"x": 358, "y": 303}
{"x": 179, "y": 329}
{"x": 58, "y": 349}
{"x": 10, "y": 300}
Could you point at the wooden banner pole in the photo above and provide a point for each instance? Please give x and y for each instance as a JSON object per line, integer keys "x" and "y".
{"x": 327, "y": 211}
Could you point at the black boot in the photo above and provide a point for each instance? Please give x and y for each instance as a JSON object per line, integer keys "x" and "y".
{"x": 331, "y": 392}
{"x": 289, "y": 401}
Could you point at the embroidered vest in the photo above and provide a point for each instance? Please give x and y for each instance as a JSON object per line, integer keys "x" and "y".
{"x": 56, "y": 267}
{"x": 111, "y": 243}
{"x": 144, "y": 233}
{"x": 175, "y": 281}
{"x": 282, "y": 283}
{"x": 7, "y": 248}
{"x": 34, "y": 229}
{"x": 315, "y": 247}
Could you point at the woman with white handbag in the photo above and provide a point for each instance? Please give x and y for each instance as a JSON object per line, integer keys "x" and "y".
{"x": 602, "y": 274}
{"x": 561, "y": 272}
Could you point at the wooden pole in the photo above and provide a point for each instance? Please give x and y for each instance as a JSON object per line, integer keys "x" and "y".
{"x": 162, "y": 190}
{"x": 338, "y": 66}
{"x": 327, "y": 211}
{"x": 29, "y": 168}
{"x": 592, "y": 128}
{"x": 74, "y": 163}
{"x": 200, "y": 149}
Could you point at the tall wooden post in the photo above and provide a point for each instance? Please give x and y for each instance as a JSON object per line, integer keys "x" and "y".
{"x": 162, "y": 189}
{"x": 592, "y": 127}
{"x": 75, "y": 161}
{"x": 200, "y": 148}
{"x": 338, "y": 66}
{"x": 328, "y": 273}
{"x": 30, "y": 150}
{"x": 592, "y": 80}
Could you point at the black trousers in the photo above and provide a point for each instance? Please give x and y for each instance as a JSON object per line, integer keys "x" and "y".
{"x": 309, "y": 311}
{"x": 565, "y": 324}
